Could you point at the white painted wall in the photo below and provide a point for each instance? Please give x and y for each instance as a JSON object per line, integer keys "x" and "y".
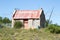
{"x": 33, "y": 23}
{"x": 13, "y": 21}
{"x": 30, "y": 23}
{"x": 36, "y": 23}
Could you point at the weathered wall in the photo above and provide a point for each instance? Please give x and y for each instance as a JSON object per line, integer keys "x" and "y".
{"x": 13, "y": 21}
{"x": 30, "y": 23}
{"x": 42, "y": 19}
{"x": 36, "y": 23}
{"x": 33, "y": 23}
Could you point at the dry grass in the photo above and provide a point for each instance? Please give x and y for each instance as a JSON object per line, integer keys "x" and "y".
{"x": 22, "y": 34}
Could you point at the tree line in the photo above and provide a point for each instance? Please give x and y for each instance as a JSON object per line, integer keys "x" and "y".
{"x": 5, "y": 20}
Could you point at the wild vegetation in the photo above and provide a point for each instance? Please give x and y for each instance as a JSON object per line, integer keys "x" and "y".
{"x": 22, "y": 34}
{"x": 53, "y": 28}
{"x": 50, "y": 32}
{"x": 18, "y": 24}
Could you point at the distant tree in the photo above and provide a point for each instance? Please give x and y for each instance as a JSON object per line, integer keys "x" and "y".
{"x": 6, "y": 20}
{"x": 0, "y": 19}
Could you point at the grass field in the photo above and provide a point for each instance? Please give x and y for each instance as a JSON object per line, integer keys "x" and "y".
{"x": 22, "y": 34}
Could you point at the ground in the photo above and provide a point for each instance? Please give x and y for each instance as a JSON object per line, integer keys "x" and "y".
{"x": 22, "y": 34}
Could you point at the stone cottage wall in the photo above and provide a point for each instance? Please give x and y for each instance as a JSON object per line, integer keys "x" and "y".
{"x": 30, "y": 23}
{"x": 36, "y": 23}
{"x": 13, "y": 21}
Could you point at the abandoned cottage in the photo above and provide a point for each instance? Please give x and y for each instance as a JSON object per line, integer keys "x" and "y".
{"x": 29, "y": 18}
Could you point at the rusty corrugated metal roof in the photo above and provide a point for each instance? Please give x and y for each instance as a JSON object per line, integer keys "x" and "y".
{"x": 26, "y": 14}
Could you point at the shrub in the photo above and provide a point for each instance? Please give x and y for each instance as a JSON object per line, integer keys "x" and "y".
{"x": 18, "y": 24}
{"x": 54, "y": 29}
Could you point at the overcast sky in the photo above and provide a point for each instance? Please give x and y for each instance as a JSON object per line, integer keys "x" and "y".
{"x": 7, "y": 7}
